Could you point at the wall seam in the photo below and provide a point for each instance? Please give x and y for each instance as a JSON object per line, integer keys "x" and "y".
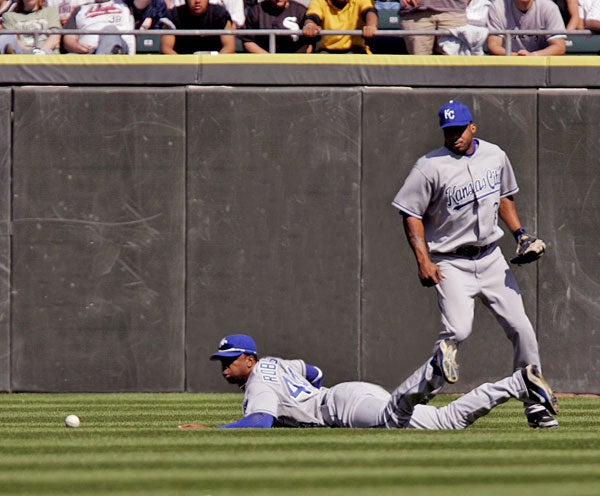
{"x": 185, "y": 240}
{"x": 360, "y": 239}
{"x": 10, "y": 241}
{"x": 536, "y": 224}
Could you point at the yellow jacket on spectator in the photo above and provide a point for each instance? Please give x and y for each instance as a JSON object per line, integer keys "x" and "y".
{"x": 341, "y": 15}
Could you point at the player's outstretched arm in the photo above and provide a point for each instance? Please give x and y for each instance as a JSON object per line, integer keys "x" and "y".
{"x": 254, "y": 420}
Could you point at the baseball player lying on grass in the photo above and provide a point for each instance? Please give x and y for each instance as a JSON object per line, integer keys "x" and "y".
{"x": 288, "y": 393}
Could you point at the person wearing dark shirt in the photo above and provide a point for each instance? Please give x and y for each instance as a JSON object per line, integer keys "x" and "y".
{"x": 147, "y": 13}
{"x": 276, "y": 14}
{"x": 198, "y": 14}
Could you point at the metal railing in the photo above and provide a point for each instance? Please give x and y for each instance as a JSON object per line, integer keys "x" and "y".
{"x": 274, "y": 33}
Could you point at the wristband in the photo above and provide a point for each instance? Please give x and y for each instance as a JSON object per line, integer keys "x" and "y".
{"x": 518, "y": 233}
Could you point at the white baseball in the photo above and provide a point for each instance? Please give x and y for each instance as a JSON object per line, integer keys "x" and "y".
{"x": 72, "y": 421}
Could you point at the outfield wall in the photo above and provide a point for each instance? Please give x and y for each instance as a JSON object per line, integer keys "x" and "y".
{"x": 147, "y": 222}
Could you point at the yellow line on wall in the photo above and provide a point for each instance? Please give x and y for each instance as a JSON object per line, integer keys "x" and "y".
{"x": 300, "y": 59}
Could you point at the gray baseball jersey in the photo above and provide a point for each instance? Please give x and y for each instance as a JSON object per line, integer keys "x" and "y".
{"x": 278, "y": 387}
{"x": 543, "y": 14}
{"x": 457, "y": 196}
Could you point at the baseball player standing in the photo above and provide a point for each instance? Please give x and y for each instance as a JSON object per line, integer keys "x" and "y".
{"x": 450, "y": 203}
{"x": 288, "y": 393}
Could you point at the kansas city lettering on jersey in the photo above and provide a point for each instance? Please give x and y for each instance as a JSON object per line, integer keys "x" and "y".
{"x": 480, "y": 187}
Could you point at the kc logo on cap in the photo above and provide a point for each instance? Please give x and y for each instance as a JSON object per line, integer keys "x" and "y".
{"x": 454, "y": 113}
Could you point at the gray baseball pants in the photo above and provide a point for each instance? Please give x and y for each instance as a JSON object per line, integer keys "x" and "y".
{"x": 361, "y": 404}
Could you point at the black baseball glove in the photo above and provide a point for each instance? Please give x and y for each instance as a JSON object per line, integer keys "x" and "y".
{"x": 529, "y": 249}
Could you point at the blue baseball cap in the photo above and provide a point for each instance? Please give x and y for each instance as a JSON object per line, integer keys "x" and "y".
{"x": 454, "y": 113}
{"x": 234, "y": 345}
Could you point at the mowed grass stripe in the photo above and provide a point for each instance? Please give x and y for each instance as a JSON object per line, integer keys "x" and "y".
{"x": 353, "y": 479}
{"x": 146, "y": 459}
{"x": 129, "y": 444}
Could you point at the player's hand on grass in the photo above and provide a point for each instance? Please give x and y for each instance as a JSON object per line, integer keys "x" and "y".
{"x": 192, "y": 426}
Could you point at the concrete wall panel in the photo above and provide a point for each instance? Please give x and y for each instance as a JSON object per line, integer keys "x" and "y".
{"x": 148, "y": 223}
{"x": 570, "y": 216}
{"x": 99, "y": 203}
{"x": 273, "y": 226}
{"x": 5, "y": 217}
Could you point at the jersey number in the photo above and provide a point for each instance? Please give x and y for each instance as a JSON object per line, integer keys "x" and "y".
{"x": 294, "y": 389}
{"x": 295, "y": 385}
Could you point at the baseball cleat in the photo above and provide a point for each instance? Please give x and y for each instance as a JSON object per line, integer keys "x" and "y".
{"x": 541, "y": 420}
{"x": 445, "y": 360}
{"x": 538, "y": 390}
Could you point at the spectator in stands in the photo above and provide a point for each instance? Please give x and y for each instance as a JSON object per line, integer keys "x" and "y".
{"x": 387, "y": 5}
{"x": 236, "y": 8}
{"x": 276, "y": 14}
{"x": 66, "y": 7}
{"x": 526, "y": 15}
{"x": 589, "y": 15}
{"x": 569, "y": 11}
{"x": 6, "y": 5}
{"x": 470, "y": 38}
{"x": 29, "y": 15}
{"x": 147, "y": 13}
{"x": 198, "y": 14}
{"x": 341, "y": 15}
{"x": 102, "y": 15}
{"x": 427, "y": 15}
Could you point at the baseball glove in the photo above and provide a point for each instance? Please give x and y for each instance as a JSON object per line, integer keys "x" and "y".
{"x": 529, "y": 249}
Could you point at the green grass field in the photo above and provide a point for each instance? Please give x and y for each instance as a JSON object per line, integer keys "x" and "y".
{"x": 128, "y": 444}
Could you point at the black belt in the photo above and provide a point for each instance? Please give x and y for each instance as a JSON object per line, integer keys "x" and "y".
{"x": 470, "y": 251}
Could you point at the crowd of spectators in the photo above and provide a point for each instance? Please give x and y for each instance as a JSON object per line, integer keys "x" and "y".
{"x": 468, "y": 23}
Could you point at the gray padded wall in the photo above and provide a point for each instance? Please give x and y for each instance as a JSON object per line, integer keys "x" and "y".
{"x": 273, "y": 226}
{"x": 98, "y": 259}
{"x": 5, "y": 152}
{"x": 290, "y": 233}
{"x": 570, "y": 218}
{"x": 400, "y": 318}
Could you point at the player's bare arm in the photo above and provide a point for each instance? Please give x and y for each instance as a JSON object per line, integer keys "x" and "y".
{"x": 429, "y": 273}
{"x": 508, "y": 213}
{"x": 529, "y": 248}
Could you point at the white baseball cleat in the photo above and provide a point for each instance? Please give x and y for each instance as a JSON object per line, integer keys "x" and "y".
{"x": 541, "y": 420}
{"x": 445, "y": 360}
{"x": 538, "y": 390}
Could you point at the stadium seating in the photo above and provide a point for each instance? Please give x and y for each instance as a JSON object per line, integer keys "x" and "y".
{"x": 147, "y": 43}
{"x": 583, "y": 45}
{"x": 388, "y": 20}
